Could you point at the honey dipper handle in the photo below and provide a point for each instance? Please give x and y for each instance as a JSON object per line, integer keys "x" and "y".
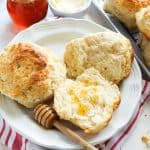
{"x": 74, "y": 136}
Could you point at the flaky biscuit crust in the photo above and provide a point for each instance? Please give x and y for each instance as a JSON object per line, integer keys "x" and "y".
{"x": 143, "y": 21}
{"x": 125, "y": 10}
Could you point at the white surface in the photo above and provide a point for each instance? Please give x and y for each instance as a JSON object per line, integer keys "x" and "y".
{"x": 2, "y": 147}
{"x": 8, "y": 30}
{"x": 142, "y": 127}
{"x": 54, "y": 35}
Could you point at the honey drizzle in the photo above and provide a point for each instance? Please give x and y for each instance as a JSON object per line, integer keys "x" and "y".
{"x": 82, "y": 108}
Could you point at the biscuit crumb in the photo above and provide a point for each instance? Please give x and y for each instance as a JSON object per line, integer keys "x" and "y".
{"x": 145, "y": 139}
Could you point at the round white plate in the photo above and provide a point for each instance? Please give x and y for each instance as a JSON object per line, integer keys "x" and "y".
{"x": 54, "y": 35}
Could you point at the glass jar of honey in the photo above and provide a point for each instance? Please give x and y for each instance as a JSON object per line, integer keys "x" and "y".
{"x": 27, "y": 12}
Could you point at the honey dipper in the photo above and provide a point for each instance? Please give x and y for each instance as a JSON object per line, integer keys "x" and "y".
{"x": 47, "y": 117}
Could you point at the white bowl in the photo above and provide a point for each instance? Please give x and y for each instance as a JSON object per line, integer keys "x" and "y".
{"x": 75, "y": 14}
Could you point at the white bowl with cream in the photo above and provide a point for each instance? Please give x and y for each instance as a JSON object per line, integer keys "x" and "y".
{"x": 69, "y": 8}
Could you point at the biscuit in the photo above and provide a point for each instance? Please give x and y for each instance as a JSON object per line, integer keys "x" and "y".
{"x": 88, "y": 102}
{"x": 143, "y": 23}
{"x": 145, "y": 46}
{"x": 108, "y": 52}
{"x": 125, "y": 10}
{"x": 29, "y": 73}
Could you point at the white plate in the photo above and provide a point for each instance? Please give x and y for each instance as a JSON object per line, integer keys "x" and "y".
{"x": 54, "y": 34}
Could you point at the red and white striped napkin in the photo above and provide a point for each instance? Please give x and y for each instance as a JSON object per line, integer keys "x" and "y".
{"x": 15, "y": 141}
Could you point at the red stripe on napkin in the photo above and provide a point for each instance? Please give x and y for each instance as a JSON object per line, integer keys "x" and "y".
{"x": 3, "y": 128}
{"x": 17, "y": 142}
{"x": 145, "y": 87}
{"x": 26, "y": 141}
{"x": 8, "y": 136}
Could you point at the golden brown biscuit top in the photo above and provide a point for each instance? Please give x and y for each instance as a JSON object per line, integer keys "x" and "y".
{"x": 26, "y": 73}
{"x": 136, "y": 5}
{"x": 143, "y": 21}
{"x": 28, "y": 57}
{"x": 29, "y": 52}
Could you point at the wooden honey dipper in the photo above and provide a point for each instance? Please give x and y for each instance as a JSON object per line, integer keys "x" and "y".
{"x": 47, "y": 117}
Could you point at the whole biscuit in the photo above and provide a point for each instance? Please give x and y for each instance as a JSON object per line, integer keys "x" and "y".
{"x": 29, "y": 73}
